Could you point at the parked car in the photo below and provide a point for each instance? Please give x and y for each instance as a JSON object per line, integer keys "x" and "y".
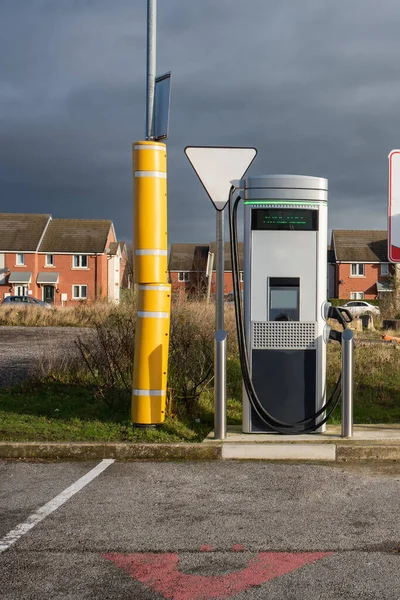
{"x": 360, "y": 307}
{"x": 25, "y": 301}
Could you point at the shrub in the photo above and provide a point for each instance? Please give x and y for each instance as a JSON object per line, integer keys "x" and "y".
{"x": 233, "y": 378}
{"x": 191, "y": 353}
{"x": 108, "y": 355}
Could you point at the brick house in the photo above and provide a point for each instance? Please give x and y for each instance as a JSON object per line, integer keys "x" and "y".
{"x": 61, "y": 261}
{"x": 359, "y": 264}
{"x": 187, "y": 268}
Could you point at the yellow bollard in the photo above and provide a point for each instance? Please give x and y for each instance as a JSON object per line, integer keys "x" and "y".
{"x": 154, "y": 293}
{"x": 150, "y": 235}
{"x": 151, "y": 354}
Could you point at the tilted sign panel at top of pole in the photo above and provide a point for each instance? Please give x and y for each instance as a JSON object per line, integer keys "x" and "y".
{"x": 162, "y": 106}
{"x": 217, "y": 166}
{"x": 394, "y": 207}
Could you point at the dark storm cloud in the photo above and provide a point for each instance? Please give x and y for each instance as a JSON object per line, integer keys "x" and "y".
{"x": 313, "y": 85}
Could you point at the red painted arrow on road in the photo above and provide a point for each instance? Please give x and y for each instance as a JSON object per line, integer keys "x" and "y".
{"x": 160, "y": 573}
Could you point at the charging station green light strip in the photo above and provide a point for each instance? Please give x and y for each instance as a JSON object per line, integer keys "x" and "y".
{"x": 291, "y": 202}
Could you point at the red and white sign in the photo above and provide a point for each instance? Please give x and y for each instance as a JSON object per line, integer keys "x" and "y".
{"x": 394, "y": 207}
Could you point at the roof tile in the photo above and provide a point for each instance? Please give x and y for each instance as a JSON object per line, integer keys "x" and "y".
{"x": 227, "y": 258}
{"x": 76, "y": 236}
{"x": 188, "y": 257}
{"x": 193, "y": 257}
{"x": 360, "y": 245}
{"x": 21, "y": 232}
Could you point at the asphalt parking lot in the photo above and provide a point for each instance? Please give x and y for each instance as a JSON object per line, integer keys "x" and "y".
{"x": 193, "y": 531}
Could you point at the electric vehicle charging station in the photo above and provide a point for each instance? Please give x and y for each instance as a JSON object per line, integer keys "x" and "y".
{"x": 285, "y": 249}
{"x": 282, "y": 330}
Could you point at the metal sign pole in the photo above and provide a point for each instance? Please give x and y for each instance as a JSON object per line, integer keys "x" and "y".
{"x": 220, "y": 269}
{"x": 220, "y": 385}
{"x": 216, "y": 167}
{"x": 151, "y": 66}
{"x": 347, "y": 383}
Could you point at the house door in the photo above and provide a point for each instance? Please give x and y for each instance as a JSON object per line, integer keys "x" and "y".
{"x": 48, "y": 293}
{"x": 20, "y": 290}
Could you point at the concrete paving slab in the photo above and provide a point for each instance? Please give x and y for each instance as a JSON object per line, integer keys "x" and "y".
{"x": 301, "y": 451}
{"x": 374, "y": 433}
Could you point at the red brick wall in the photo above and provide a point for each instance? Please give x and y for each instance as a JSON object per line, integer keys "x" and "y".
{"x": 175, "y": 284}
{"x": 95, "y": 276}
{"x": 366, "y": 284}
{"x": 30, "y": 262}
{"x": 30, "y": 266}
{"x": 197, "y": 283}
{"x": 68, "y": 277}
{"x": 228, "y": 283}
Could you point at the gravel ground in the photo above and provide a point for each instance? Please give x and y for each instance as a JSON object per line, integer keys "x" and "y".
{"x": 25, "y": 350}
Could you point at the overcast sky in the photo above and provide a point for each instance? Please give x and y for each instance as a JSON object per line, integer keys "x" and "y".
{"x": 313, "y": 84}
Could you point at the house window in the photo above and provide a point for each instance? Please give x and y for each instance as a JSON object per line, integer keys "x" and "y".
{"x": 384, "y": 269}
{"x": 183, "y": 276}
{"x": 49, "y": 260}
{"x": 356, "y": 295}
{"x": 79, "y": 292}
{"x": 20, "y": 260}
{"x": 357, "y": 270}
{"x": 80, "y": 261}
{"x": 241, "y": 276}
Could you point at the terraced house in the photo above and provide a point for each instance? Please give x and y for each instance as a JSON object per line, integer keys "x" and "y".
{"x": 61, "y": 261}
{"x": 359, "y": 266}
{"x": 188, "y": 264}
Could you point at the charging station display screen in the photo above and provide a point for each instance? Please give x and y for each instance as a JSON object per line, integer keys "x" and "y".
{"x": 284, "y": 305}
{"x": 284, "y": 298}
{"x": 284, "y": 219}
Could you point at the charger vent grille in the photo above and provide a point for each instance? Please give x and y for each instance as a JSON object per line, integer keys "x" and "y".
{"x": 283, "y": 335}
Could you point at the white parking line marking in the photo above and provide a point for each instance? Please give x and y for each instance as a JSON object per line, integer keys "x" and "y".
{"x": 20, "y": 530}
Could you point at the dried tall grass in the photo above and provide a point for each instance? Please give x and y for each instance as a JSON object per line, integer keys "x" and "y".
{"x": 106, "y": 355}
{"x": 81, "y": 315}
{"x": 106, "y": 352}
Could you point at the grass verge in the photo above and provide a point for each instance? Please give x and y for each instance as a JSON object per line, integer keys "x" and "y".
{"x": 376, "y": 382}
{"x": 53, "y": 411}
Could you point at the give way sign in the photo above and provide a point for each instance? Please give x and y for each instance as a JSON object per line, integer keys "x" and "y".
{"x": 394, "y": 207}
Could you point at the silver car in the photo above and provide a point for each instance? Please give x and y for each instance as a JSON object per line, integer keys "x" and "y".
{"x": 361, "y": 307}
{"x": 25, "y": 301}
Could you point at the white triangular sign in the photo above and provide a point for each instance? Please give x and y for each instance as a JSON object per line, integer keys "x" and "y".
{"x": 217, "y": 166}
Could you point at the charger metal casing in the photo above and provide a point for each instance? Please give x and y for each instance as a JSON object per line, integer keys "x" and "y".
{"x": 285, "y": 292}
